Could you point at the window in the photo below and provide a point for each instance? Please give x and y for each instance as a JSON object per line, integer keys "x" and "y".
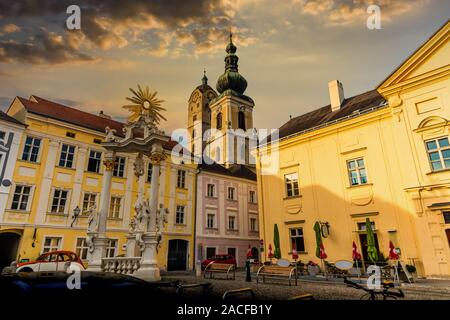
{"x": 97, "y": 141}
{"x": 438, "y": 153}
{"x": 59, "y": 201}
{"x": 231, "y": 222}
{"x": 210, "y": 190}
{"x": 446, "y": 215}
{"x": 20, "y": 198}
{"x": 70, "y": 134}
{"x": 67, "y": 155}
{"x": 252, "y": 196}
{"x": 149, "y": 172}
{"x": 179, "y": 218}
{"x": 253, "y": 225}
{"x": 119, "y": 167}
{"x": 362, "y": 226}
{"x": 219, "y": 121}
{"x": 356, "y": 172}
{"x": 297, "y": 239}
{"x": 2, "y": 135}
{"x": 232, "y": 252}
{"x": 230, "y": 193}
{"x": 31, "y": 149}
{"x": 51, "y": 244}
{"x": 88, "y": 201}
{"x": 241, "y": 120}
{"x": 210, "y": 253}
{"x": 94, "y": 161}
{"x": 111, "y": 248}
{"x": 210, "y": 221}
{"x": 291, "y": 181}
{"x": 114, "y": 208}
{"x": 82, "y": 248}
{"x": 181, "y": 179}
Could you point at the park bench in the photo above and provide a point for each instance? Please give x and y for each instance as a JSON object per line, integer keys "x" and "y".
{"x": 215, "y": 267}
{"x": 289, "y": 273}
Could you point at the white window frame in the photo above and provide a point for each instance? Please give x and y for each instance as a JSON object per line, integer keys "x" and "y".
{"x": 231, "y": 193}
{"x": 181, "y": 179}
{"x": 109, "y": 248}
{"x": 112, "y": 212}
{"x": 213, "y": 193}
{"x": 51, "y": 247}
{"x": 83, "y": 248}
{"x": 13, "y": 193}
{"x": 181, "y": 209}
{"x": 67, "y": 153}
{"x": 214, "y": 224}
{"x": 293, "y": 183}
{"x": 66, "y": 204}
{"x": 302, "y": 236}
{"x": 252, "y": 196}
{"x": 38, "y": 155}
{"x": 90, "y": 194}
{"x": 234, "y": 218}
{"x": 439, "y": 150}
{"x": 119, "y": 167}
{"x": 99, "y": 164}
{"x": 250, "y": 224}
{"x": 358, "y": 170}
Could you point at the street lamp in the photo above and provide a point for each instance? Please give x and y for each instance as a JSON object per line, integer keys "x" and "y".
{"x": 76, "y": 213}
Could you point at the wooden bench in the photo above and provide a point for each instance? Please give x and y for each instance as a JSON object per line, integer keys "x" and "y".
{"x": 277, "y": 272}
{"x": 215, "y": 267}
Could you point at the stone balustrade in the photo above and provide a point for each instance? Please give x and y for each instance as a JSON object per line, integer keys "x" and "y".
{"x": 123, "y": 265}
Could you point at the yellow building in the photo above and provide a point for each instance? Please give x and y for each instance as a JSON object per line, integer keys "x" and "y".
{"x": 59, "y": 168}
{"x": 382, "y": 155}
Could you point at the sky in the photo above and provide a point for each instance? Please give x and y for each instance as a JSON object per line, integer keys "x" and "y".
{"x": 288, "y": 50}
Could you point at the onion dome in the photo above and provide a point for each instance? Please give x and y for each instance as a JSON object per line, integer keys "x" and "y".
{"x": 231, "y": 79}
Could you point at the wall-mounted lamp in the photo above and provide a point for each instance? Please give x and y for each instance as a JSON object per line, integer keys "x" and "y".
{"x": 76, "y": 213}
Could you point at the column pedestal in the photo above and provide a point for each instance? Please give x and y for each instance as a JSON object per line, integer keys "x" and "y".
{"x": 149, "y": 270}
{"x": 131, "y": 246}
{"x": 100, "y": 242}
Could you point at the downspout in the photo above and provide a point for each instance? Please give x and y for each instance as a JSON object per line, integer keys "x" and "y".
{"x": 194, "y": 264}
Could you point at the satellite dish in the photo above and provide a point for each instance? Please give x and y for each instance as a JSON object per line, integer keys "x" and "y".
{"x": 283, "y": 263}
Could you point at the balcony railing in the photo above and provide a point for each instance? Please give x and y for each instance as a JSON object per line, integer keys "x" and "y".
{"x": 122, "y": 265}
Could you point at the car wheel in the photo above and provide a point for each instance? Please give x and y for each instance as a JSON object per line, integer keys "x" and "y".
{"x": 26, "y": 270}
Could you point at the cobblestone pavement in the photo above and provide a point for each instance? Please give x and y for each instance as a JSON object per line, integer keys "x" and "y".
{"x": 320, "y": 289}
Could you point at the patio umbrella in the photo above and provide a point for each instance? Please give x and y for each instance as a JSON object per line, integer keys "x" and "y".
{"x": 372, "y": 252}
{"x": 276, "y": 242}
{"x": 318, "y": 232}
{"x": 249, "y": 252}
{"x": 355, "y": 254}
{"x": 294, "y": 252}
{"x": 270, "y": 253}
{"x": 393, "y": 255}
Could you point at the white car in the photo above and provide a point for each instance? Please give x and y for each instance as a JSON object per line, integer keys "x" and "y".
{"x": 51, "y": 261}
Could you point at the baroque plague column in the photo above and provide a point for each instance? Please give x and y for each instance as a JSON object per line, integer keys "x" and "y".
{"x": 142, "y": 137}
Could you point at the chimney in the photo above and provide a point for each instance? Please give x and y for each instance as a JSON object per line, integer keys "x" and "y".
{"x": 103, "y": 115}
{"x": 336, "y": 91}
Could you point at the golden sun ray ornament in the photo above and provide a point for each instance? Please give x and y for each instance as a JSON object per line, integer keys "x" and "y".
{"x": 145, "y": 105}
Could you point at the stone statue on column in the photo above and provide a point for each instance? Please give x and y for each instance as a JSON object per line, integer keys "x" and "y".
{"x": 161, "y": 220}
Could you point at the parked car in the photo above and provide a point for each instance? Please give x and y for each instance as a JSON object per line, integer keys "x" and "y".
{"x": 50, "y": 261}
{"x": 220, "y": 258}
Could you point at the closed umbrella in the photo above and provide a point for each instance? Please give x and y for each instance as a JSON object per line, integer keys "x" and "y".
{"x": 372, "y": 252}
{"x": 276, "y": 242}
{"x": 320, "y": 250}
{"x": 356, "y": 256}
{"x": 249, "y": 252}
{"x": 294, "y": 252}
{"x": 270, "y": 253}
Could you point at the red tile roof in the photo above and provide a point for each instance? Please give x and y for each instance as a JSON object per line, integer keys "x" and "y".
{"x": 77, "y": 117}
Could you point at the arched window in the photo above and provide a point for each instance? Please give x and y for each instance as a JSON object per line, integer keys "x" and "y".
{"x": 241, "y": 120}
{"x": 219, "y": 120}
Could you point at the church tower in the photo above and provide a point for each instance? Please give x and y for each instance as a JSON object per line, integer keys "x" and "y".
{"x": 230, "y": 111}
{"x": 199, "y": 116}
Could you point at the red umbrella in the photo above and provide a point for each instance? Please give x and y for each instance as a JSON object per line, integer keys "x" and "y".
{"x": 355, "y": 254}
{"x": 294, "y": 252}
{"x": 249, "y": 252}
{"x": 323, "y": 255}
{"x": 270, "y": 253}
{"x": 393, "y": 255}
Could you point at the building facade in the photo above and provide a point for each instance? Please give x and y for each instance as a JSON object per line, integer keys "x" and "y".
{"x": 59, "y": 167}
{"x": 382, "y": 155}
{"x": 10, "y": 137}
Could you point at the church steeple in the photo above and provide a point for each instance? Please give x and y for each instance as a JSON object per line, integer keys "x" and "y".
{"x": 231, "y": 79}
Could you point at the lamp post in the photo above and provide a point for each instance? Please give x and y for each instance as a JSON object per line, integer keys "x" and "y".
{"x": 76, "y": 213}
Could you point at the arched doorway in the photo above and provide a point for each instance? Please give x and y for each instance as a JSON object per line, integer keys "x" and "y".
{"x": 177, "y": 255}
{"x": 9, "y": 244}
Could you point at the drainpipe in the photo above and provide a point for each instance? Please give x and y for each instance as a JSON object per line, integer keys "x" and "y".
{"x": 194, "y": 267}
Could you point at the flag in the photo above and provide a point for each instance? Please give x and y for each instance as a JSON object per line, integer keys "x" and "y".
{"x": 393, "y": 255}
{"x": 323, "y": 255}
{"x": 270, "y": 253}
{"x": 355, "y": 254}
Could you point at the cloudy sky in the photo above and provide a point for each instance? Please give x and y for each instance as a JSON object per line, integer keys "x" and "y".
{"x": 288, "y": 49}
